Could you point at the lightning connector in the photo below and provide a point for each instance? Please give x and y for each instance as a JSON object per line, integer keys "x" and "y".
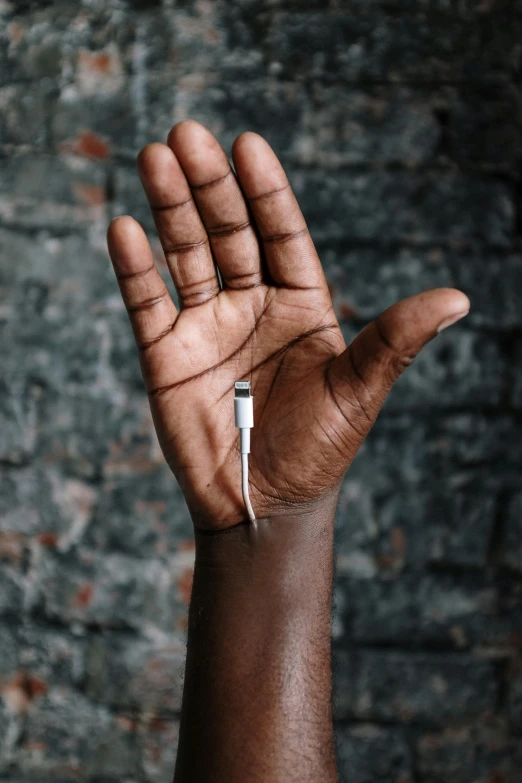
{"x": 244, "y": 418}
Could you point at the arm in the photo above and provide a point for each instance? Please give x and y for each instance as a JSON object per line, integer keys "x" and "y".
{"x": 256, "y": 702}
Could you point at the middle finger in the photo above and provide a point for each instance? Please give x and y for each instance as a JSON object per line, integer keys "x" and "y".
{"x": 221, "y": 204}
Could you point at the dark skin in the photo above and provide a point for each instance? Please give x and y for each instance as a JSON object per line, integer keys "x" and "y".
{"x": 256, "y": 702}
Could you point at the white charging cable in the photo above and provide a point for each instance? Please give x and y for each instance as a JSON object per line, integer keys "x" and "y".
{"x": 244, "y": 416}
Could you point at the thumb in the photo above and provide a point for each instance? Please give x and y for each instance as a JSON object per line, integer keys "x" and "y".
{"x": 360, "y": 378}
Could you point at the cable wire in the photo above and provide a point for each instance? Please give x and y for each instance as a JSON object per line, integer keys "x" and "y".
{"x": 244, "y": 487}
{"x": 244, "y": 419}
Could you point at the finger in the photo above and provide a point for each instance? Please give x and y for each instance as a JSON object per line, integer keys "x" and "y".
{"x": 220, "y": 203}
{"x": 181, "y": 232}
{"x": 289, "y": 252}
{"x": 146, "y": 297}
{"x": 359, "y": 379}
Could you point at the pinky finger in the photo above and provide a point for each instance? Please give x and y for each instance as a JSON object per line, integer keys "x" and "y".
{"x": 151, "y": 310}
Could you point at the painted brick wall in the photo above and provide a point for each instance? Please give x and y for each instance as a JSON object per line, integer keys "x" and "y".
{"x": 400, "y": 124}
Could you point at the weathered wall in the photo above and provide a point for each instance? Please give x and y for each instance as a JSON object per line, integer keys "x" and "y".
{"x": 400, "y": 124}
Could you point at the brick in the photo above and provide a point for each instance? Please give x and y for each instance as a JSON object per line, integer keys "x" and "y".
{"x": 408, "y": 453}
{"x": 462, "y": 754}
{"x": 459, "y": 368}
{"x": 405, "y": 207}
{"x": 413, "y": 688}
{"x": 390, "y": 525}
{"x": 356, "y": 529}
{"x": 128, "y": 674}
{"x": 483, "y": 127}
{"x": 465, "y": 440}
{"x": 230, "y": 107}
{"x": 51, "y": 657}
{"x": 64, "y": 354}
{"x": 491, "y": 282}
{"x": 96, "y": 126}
{"x": 410, "y": 439}
{"x": 113, "y": 432}
{"x": 98, "y": 69}
{"x": 18, "y": 415}
{"x": 88, "y": 47}
{"x": 382, "y": 125}
{"x": 468, "y": 9}
{"x": 512, "y": 539}
{"x": 364, "y": 281}
{"x": 330, "y": 127}
{"x": 158, "y": 741}
{"x": 4, "y": 724}
{"x": 45, "y": 504}
{"x": 32, "y": 49}
{"x": 197, "y": 44}
{"x": 65, "y": 735}
{"x": 9, "y": 731}
{"x": 510, "y": 609}
{"x": 367, "y": 753}
{"x": 111, "y": 590}
{"x": 415, "y": 611}
{"x": 377, "y": 45}
{"x": 447, "y": 527}
{"x": 9, "y": 660}
{"x": 11, "y": 591}
{"x": 514, "y": 681}
{"x": 141, "y": 514}
{"x": 24, "y": 116}
{"x": 57, "y": 193}
{"x": 30, "y": 777}
{"x": 57, "y": 290}
{"x": 34, "y": 660}
{"x": 243, "y": 47}
{"x": 515, "y": 374}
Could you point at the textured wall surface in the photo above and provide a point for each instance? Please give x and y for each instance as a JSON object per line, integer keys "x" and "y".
{"x": 400, "y": 124}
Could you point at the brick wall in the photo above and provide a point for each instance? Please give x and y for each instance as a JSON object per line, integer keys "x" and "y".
{"x": 400, "y": 124}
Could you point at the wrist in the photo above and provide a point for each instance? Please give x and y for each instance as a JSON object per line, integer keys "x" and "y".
{"x": 207, "y": 508}
{"x": 247, "y": 550}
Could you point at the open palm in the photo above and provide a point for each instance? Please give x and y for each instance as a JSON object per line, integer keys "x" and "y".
{"x": 266, "y": 317}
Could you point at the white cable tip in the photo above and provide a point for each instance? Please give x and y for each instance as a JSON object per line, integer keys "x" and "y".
{"x": 244, "y": 418}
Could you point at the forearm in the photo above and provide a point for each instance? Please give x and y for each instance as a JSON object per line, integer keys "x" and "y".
{"x": 257, "y": 696}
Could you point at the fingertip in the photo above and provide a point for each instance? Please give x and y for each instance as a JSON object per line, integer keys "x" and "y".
{"x": 128, "y": 245}
{"x": 258, "y": 167}
{"x": 449, "y": 306}
{"x": 116, "y": 225}
{"x": 112, "y": 226}
{"x": 122, "y": 226}
{"x": 456, "y": 308}
{"x": 151, "y": 156}
{"x": 460, "y": 301}
{"x": 437, "y": 302}
{"x": 199, "y": 153}
{"x": 249, "y": 138}
{"x": 186, "y": 128}
{"x": 453, "y": 297}
{"x": 120, "y": 219}
{"x": 161, "y": 174}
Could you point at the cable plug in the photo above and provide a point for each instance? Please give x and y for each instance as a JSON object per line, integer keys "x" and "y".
{"x": 244, "y": 418}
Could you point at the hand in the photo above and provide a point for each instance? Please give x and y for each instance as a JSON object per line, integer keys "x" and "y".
{"x": 272, "y": 323}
